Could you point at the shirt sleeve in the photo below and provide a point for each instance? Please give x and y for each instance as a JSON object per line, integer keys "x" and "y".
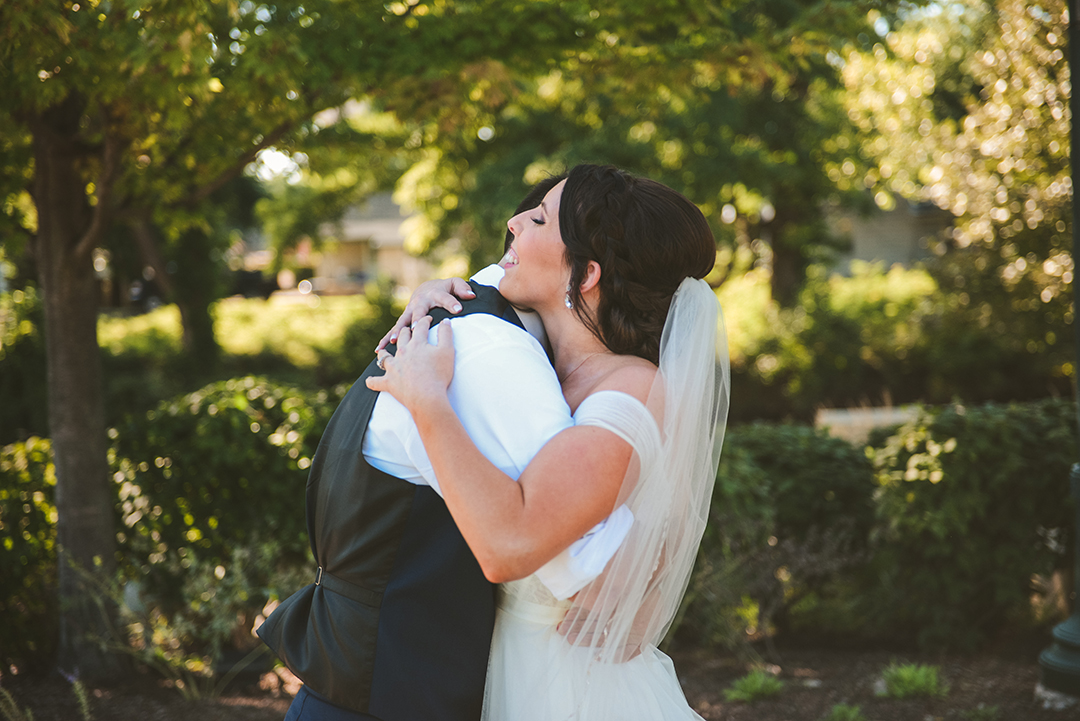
{"x": 504, "y": 391}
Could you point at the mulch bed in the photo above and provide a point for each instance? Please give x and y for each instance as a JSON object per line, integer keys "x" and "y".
{"x": 815, "y": 680}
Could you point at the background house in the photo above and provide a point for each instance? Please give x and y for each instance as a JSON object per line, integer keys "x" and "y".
{"x": 369, "y": 246}
{"x": 890, "y": 236}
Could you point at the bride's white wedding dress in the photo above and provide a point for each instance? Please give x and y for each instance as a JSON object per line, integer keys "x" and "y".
{"x": 534, "y": 672}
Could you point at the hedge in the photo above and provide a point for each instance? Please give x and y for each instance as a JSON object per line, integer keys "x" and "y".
{"x": 877, "y": 337}
{"x": 971, "y": 502}
{"x": 791, "y": 512}
{"x": 931, "y": 539}
{"x": 28, "y": 553}
{"x": 209, "y": 506}
{"x": 214, "y": 470}
{"x": 930, "y": 535}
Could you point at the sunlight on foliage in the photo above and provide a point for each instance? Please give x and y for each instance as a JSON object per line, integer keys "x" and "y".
{"x": 155, "y": 334}
{"x": 965, "y": 105}
{"x": 296, "y": 331}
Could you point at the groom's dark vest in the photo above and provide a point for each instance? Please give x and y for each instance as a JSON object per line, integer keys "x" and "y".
{"x": 399, "y": 619}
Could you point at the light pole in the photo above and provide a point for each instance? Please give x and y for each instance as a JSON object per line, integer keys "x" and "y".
{"x": 1061, "y": 662}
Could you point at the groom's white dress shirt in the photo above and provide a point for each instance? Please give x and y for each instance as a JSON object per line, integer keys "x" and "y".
{"x": 509, "y": 400}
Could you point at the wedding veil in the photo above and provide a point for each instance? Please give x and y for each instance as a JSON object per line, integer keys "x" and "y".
{"x": 629, "y": 608}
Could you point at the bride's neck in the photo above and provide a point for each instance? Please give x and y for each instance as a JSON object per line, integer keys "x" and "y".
{"x": 572, "y": 344}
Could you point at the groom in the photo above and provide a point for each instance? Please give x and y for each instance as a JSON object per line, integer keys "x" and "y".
{"x": 398, "y": 622}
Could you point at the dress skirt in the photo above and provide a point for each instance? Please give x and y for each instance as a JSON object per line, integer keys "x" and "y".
{"x": 534, "y": 674}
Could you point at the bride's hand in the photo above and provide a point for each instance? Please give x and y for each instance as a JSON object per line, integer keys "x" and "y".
{"x": 439, "y": 293}
{"x": 419, "y": 371}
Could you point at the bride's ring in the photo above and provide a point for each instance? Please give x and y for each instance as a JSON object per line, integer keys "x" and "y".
{"x": 381, "y": 360}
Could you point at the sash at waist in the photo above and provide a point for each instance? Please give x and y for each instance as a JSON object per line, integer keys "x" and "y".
{"x": 532, "y": 611}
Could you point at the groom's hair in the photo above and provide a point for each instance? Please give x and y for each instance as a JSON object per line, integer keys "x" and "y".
{"x": 532, "y": 200}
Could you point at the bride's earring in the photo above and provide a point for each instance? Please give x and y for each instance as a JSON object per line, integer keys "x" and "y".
{"x": 569, "y": 303}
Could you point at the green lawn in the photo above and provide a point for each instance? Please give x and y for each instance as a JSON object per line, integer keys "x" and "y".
{"x": 295, "y": 330}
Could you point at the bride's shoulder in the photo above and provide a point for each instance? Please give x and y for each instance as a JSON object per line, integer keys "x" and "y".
{"x": 632, "y": 376}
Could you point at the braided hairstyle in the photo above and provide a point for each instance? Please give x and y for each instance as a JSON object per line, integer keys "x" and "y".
{"x": 646, "y": 238}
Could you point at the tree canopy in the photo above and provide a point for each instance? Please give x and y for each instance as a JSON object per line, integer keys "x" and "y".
{"x": 124, "y": 121}
{"x": 118, "y": 111}
{"x": 730, "y": 105}
{"x": 965, "y": 106}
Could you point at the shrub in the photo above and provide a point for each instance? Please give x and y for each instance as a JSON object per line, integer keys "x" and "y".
{"x": 844, "y": 712}
{"x": 754, "y": 686}
{"x": 982, "y": 712}
{"x": 849, "y": 341}
{"x": 320, "y": 342}
{"x": 27, "y": 553}
{"x": 791, "y": 511}
{"x": 971, "y": 503}
{"x": 815, "y": 481}
{"x": 299, "y": 333}
{"x": 202, "y": 641}
{"x": 208, "y": 473}
{"x": 965, "y": 506}
{"x": 347, "y": 358}
{"x": 209, "y": 498}
{"x": 877, "y": 336}
{"x": 717, "y": 609}
{"x": 142, "y": 361}
{"x": 22, "y": 366}
{"x": 909, "y": 680}
{"x": 154, "y": 337}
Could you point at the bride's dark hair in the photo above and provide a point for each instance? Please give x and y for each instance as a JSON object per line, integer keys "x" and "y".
{"x": 646, "y": 237}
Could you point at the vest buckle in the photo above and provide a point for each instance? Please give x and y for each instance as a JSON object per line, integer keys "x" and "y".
{"x": 318, "y": 576}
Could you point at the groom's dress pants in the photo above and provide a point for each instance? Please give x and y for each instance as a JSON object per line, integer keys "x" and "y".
{"x": 309, "y": 706}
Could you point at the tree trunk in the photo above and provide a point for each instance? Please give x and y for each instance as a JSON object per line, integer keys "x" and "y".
{"x": 787, "y": 263}
{"x": 788, "y": 258}
{"x": 85, "y": 532}
{"x": 196, "y": 288}
{"x": 192, "y": 289}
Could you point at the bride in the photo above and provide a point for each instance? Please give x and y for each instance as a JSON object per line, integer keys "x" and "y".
{"x": 612, "y": 264}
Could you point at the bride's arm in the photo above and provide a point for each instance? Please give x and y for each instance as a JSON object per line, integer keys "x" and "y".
{"x": 513, "y": 528}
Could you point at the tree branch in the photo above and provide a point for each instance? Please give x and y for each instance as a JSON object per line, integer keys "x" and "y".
{"x": 102, "y": 213}
{"x": 202, "y": 193}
